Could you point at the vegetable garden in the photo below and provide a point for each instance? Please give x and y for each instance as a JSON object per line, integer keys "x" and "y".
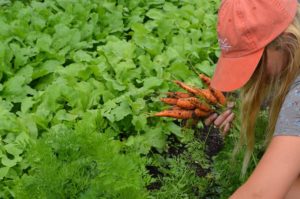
{"x": 80, "y": 82}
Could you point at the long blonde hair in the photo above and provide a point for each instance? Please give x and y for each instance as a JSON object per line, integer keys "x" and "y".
{"x": 261, "y": 87}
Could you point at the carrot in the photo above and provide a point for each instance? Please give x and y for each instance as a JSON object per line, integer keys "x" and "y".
{"x": 204, "y": 107}
{"x": 205, "y": 79}
{"x": 198, "y": 104}
{"x": 207, "y": 94}
{"x": 189, "y": 89}
{"x": 178, "y": 95}
{"x": 178, "y": 114}
{"x": 170, "y": 101}
{"x": 200, "y": 113}
{"x": 219, "y": 95}
{"x": 175, "y": 108}
{"x": 186, "y": 103}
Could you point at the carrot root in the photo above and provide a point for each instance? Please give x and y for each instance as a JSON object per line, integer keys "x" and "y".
{"x": 219, "y": 95}
{"x": 186, "y": 103}
{"x": 178, "y": 95}
{"x": 170, "y": 101}
{"x": 186, "y": 87}
{"x": 205, "y": 79}
{"x": 201, "y": 114}
{"x": 175, "y": 108}
{"x": 178, "y": 114}
{"x": 207, "y": 94}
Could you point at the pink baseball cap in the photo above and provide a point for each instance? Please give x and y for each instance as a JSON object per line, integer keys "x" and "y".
{"x": 245, "y": 28}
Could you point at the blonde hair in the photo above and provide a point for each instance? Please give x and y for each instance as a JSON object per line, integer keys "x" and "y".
{"x": 261, "y": 87}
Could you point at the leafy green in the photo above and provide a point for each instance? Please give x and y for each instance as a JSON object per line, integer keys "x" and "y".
{"x": 79, "y": 74}
{"x": 80, "y": 164}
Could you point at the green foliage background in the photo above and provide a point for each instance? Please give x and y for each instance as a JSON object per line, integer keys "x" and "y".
{"x": 78, "y": 82}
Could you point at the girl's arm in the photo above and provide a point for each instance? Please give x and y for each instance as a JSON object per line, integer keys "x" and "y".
{"x": 275, "y": 173}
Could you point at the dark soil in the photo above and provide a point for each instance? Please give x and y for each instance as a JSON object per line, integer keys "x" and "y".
{"x": 212, "y": 138}
{"x": 175, "y": 147}
{"x": 199, "y": 170}
{"x": 213, "y": 144}
{"x": 154, "y": 171}
{"x": 154, "y": 186}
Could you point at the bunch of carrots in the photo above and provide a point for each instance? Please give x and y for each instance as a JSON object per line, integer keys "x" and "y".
{"x": 194, "y": 104}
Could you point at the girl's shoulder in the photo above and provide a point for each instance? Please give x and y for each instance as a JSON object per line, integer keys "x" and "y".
{"x": 296, "y": 83}
{"x": 288, "y": 122}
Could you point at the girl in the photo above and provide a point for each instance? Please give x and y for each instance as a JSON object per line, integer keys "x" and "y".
{"x": 260, "y": 43}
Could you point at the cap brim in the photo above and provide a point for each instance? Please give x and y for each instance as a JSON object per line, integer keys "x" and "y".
{"x": 233, "y": 73}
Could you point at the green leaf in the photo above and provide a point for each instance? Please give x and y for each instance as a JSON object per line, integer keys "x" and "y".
{"x": 156, "y": 138}
{"x": 152, "y": 82}
{"x": 27, "y": 103}
{"x": 180, "y": 70}
{"x": 12, "y": 149}
{"x": 121, "y": 111}
{"x": 173, "y": 128}
{"x": 206, "y": 67}
{"x": 155, "y": 14}
{"x": 116, "y": 50}
{"x": 112, "y": 83}
{"x": 139, "y": 122}
{"x": 82, "y": 56}
{"x": 62, "y": 115}
{"x": 138, "y": 105}
{"x": 16, "y": 88}
{"x": 10, "y": 162}
{"x": 28, "y": 125}
{"x": 44, "y": 42}
{"x": 146, "y": 41}
{"x": 3, "y": 172}
{"x": 45, "y": 68}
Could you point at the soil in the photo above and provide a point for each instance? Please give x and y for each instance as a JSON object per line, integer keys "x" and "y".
{"x": 154, "y": 171}
{"x": 175, "y": 147}
{"x": 200, "y": 171}
{"x": 154, "y": 186}
{"x": 212, "y": 138}
{"x": 213, "y": 144}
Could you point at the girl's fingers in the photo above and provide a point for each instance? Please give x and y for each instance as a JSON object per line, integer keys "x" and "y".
{"x": 226, "y": 129}
{"x": 210, "y": 119}
{"x": 222, "y": 118}
{"x": 227, "y": 120}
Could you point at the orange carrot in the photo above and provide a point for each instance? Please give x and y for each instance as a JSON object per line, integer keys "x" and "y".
{"x": 201, "y": 113}
{"x": 175, "y": 108}
{"x": 204, "y": 107}
{"x": 178, "y": 95}
{"x": 170, "y": 101}
{"x": 190, "y": 89}
{"x": 178, "y": 114}
{"x": 205, "y": 79}
{"x": 185, "y": 103}
{"x": 198, "y": 104}
{"x": 207, "y": 94}
{"x": 219, "y": 95}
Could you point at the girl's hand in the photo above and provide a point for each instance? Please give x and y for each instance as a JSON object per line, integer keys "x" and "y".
{"x": 223, "y": 120}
